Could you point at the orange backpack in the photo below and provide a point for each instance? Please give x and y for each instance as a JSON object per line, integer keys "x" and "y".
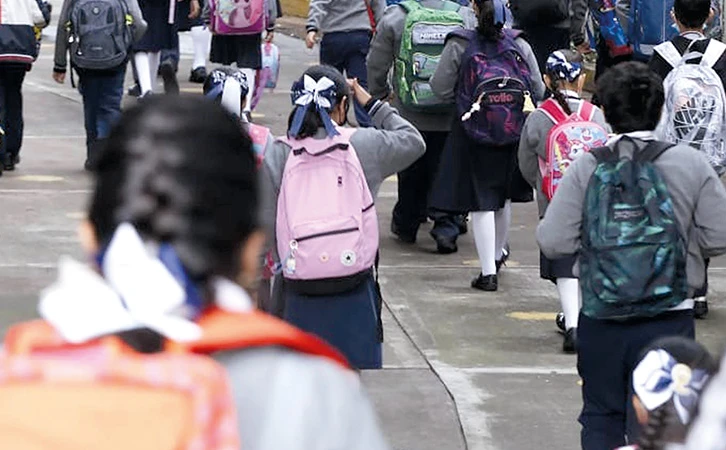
{"x": 103, "y": 395}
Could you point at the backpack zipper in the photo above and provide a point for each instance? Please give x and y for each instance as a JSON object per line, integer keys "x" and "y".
{"x": 326, "y": 233}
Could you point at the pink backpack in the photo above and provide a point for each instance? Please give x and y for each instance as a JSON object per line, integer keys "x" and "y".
{"x": 266, "y": 77}
{"x": 327, "y": 225}
{"x": 259, "y": 135}
{"x": 238, "y": 17}
{"x": 567, "y": 140}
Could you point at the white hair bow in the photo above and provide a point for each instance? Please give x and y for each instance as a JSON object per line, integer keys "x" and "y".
{"x": 136, "y": 291}
{"x": 659, "y": 378}
{"x": 312, "y": 92}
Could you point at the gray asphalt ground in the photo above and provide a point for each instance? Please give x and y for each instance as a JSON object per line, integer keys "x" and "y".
{"x": 463, "y": 369}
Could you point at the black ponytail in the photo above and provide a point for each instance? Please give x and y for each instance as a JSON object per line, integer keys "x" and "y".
{"x": 487, "y": 28}
{"x": 556, "y": 78}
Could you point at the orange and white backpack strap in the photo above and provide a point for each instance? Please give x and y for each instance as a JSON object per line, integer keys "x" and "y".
{"x": 224, "y": 330}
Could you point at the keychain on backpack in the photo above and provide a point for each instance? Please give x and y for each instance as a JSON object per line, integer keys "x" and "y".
{"x": 290, "y": 263}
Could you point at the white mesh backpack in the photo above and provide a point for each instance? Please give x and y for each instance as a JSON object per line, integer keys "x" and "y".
{"x": 694, "y": 112}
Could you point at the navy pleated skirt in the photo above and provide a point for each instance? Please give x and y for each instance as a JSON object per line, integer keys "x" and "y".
{"x": 350, "y": 321}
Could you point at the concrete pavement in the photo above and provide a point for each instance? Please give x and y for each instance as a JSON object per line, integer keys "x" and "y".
{"x": 463, "y": 369}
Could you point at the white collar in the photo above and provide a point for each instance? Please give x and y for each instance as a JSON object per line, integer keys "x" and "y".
{"x": 570, "y": 94}
{"x": 640, "y": 135}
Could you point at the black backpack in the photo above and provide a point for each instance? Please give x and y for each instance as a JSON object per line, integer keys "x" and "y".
{"x": 539, "y": 12}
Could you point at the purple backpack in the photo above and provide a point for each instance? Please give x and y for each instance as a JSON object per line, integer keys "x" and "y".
{"x": 494, "y": 81}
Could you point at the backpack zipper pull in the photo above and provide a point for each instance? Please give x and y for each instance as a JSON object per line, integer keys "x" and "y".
{"x": 528, "y": 103}
{"x": 290, "y": 263}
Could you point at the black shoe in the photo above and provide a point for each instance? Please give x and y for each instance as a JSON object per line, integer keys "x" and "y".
{"x": 16, "y": 159}
{"x": 560, "y": 322}
{"x": 198, "y": 75}
{"x": 8, "y": 162}
{"x": 461, "y": 222}
{"x": 569, "y": 345}
{"x": 134, "y": 91}
{"x": 88, "y": 165}
{"x": 487, "y": 283}
{"x": 700, "y": 308}
{"x": 505, "y": 257}
{"x": 171, "y": 85}
{"x": 403, "y": 237}
{"x": 444, "y": 245}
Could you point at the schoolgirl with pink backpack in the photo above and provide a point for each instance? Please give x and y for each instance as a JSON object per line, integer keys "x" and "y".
{"x": 237, "y": 28}
{"x": 320, "y": 184}
{"x": 563, "y": 128}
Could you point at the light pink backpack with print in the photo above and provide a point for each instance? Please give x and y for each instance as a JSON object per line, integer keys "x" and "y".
{"x": 238, "y": 17}
{"x": 327, "y": 227}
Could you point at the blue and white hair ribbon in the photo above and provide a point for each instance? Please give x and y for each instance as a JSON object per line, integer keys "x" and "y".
{"x": 658, "y": 378}
{"x": 558, "y": 67}
{"x": 231, "y": 89}
{"x": 139, "y": 287}
{"x": 321, "y": 94}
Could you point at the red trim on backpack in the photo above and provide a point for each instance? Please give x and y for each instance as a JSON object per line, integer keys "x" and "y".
{"x": 553, "y": 111}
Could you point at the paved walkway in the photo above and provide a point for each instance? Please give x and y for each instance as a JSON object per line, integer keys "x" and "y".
{"x": 463, "y": 369}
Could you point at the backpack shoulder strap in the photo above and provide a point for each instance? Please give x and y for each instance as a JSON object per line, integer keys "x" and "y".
{"x": 714, "y": 51}
{"x": 670, "y": 53}
{"x": 553, "y": 111}
{"x": 469, "y": 35}
{"x": 410, "y": 5}
{"x": 606, "y": 154}
{"x": 652, "y": 151}
{"x": 586, "y": 110}
{"x": 448, "y": 5}
{"x": 222, "y": 330}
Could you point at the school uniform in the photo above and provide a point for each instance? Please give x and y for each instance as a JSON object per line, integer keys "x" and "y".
{"x": 244, "y": 51}
{"x": 161, "y": 32}
{"x": 350, "y": 321}
{"x": 415, "y": 182}
{"x": 608, "y": 350}
{"x": 532, "y": 149}
{"x": 473, "y": 176}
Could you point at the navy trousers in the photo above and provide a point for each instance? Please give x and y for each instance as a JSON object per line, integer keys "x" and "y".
{"x": 608, "y": 351}
{"x": 347, "y": 52}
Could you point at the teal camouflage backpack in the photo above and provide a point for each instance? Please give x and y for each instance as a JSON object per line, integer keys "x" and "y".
{"x": 422, "y": 41}
{"x": 633, "y": 257}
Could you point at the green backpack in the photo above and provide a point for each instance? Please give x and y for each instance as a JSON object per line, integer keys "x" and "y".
{"x": 633, "y": 257}
{"x": 424, "y": 35}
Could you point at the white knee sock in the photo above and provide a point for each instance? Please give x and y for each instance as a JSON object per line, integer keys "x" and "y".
{"x": 502, "y": 218}
{"x": 569, "y": 290}
{"x": 250, "y": 74}
{"x": 483, "y": 225}
{"x": 201, "y": 37}
{"x": 142, "y": 72}
{"x": 154, "y": 61}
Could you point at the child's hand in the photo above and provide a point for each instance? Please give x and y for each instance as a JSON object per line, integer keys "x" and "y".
{"x": 194, "y": 9}
{"x": 361, "y": 95}
{"x": 59, "y": 77}
{"x": 269, "y": 36}
{"x": 310, "y": 39}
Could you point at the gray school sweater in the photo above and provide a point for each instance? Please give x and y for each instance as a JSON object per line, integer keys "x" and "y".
{"x": 331, "y": 16}
{"x": 444, "y": 81}
{"x": 532, "y": 147}
{"x": 384, "y": 50}
{"x": 699, "y": 201}
{"x": 390, "y": 147}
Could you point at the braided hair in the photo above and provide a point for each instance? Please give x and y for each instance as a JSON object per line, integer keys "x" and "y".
{"x": 664, "y": 426}
{"x": 182, "y": 171}
{"x": 563, "y": 66}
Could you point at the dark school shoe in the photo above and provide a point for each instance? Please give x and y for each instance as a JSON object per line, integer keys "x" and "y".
{"x": 168, "y": 75}
{"x": 569, "y": 345}
{"x": 505, "y": 257}
{"x": 134, "y": 91}
{"x": 445, "y": 245}
{"x": 700, "y": 308}
{"x": 403, "y": 237}
{"x": 198, "y": 75}
{"x": 9, "y": 162}
{"x": 487, "y": 283}
{"x": 560, "y": 322}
